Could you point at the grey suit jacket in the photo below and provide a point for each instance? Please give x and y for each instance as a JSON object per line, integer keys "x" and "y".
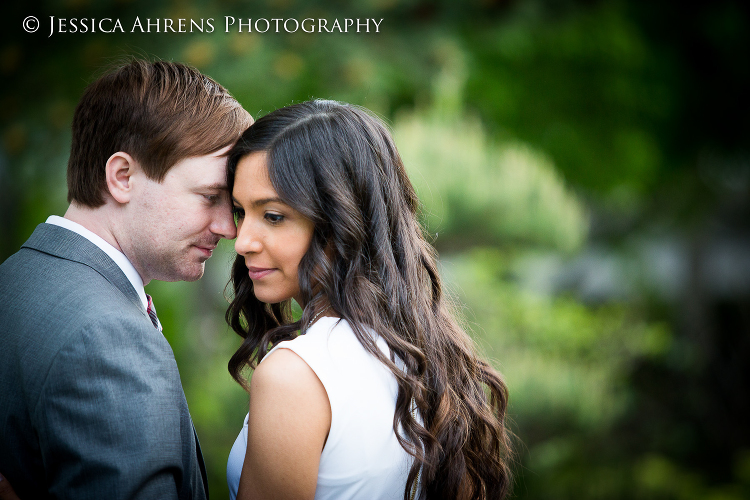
{"x": 91, "y": 404}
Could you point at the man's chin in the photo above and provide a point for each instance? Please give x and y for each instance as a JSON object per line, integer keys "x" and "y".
{"x": 192, "y": 273}
{"x": 195, "y": 274}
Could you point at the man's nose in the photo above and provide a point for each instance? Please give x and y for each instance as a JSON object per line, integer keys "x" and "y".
{"x": 223, "y": 224}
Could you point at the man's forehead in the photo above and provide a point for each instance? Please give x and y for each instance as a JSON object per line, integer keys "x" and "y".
{"x": 205, "y": 172}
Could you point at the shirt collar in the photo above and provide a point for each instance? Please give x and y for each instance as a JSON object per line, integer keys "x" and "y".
{"x": 120, "y": 259}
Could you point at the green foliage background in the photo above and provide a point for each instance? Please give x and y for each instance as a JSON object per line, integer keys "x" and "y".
{"x": 576, "y": 160}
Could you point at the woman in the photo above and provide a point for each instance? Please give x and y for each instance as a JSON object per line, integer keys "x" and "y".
{"x": 376, "y": 391}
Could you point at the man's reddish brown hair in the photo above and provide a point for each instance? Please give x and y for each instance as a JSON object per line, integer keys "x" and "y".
{"x": 158, "y": 112}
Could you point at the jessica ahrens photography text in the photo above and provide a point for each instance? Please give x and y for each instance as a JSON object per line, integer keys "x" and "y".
{"x": 64, "y": 25}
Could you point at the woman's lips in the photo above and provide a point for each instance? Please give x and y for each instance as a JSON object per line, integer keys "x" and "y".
{"x": 257, "y": 273}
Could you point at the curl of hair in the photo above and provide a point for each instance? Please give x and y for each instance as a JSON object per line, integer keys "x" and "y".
{"x": 338, "y": 166}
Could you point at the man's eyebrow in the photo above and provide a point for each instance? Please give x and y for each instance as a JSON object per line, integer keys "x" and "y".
{"x": 218, "y": 186}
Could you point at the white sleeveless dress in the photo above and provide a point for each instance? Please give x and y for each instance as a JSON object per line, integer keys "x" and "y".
{"x": 362, "y": 457}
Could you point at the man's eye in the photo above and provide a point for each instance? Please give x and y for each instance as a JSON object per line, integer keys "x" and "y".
{"x": 212, "y": 198}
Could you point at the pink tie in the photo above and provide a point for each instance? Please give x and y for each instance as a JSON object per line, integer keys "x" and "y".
{"x": 151, "y": 310}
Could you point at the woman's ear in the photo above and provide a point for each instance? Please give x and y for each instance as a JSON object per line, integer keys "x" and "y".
{"x": 119, "y": 171}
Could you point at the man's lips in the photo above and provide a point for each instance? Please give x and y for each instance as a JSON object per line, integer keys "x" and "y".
{"x": 257, "y": 273}
{"x": 207, "y": 250}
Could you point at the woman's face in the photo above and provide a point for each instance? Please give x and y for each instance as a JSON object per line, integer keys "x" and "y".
{"x": 271, "y": 235}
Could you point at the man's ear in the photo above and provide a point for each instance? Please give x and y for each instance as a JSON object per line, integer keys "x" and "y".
{"x": 120, "y": 168}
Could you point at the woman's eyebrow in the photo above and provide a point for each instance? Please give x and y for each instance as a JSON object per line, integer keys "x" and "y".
{"x": 262, "y": 201}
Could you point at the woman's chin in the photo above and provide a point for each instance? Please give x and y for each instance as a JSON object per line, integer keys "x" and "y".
{"x": 270, "y": 298}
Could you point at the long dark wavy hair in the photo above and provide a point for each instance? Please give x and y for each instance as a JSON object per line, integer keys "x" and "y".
{"x": 337, "y": 165}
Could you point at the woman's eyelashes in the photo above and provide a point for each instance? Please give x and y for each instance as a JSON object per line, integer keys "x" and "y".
{"x": 238, "y": 213}
{"x": 273, "y": 218}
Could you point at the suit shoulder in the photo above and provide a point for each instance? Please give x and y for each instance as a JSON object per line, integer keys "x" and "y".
{"x": 48, "y": 300}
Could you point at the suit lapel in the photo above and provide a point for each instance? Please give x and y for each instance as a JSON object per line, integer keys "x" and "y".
{"x": 200, "y": 459}
{"x": 65, "y": 244}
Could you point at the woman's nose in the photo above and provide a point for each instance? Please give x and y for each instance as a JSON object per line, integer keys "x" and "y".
{"x": 247, "y": 241}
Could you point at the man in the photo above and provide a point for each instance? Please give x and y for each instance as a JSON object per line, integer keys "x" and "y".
{"x": 91, "y": 404}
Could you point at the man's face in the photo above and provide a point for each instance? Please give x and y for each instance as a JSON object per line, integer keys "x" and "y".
{"x": 174, "y": 225}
